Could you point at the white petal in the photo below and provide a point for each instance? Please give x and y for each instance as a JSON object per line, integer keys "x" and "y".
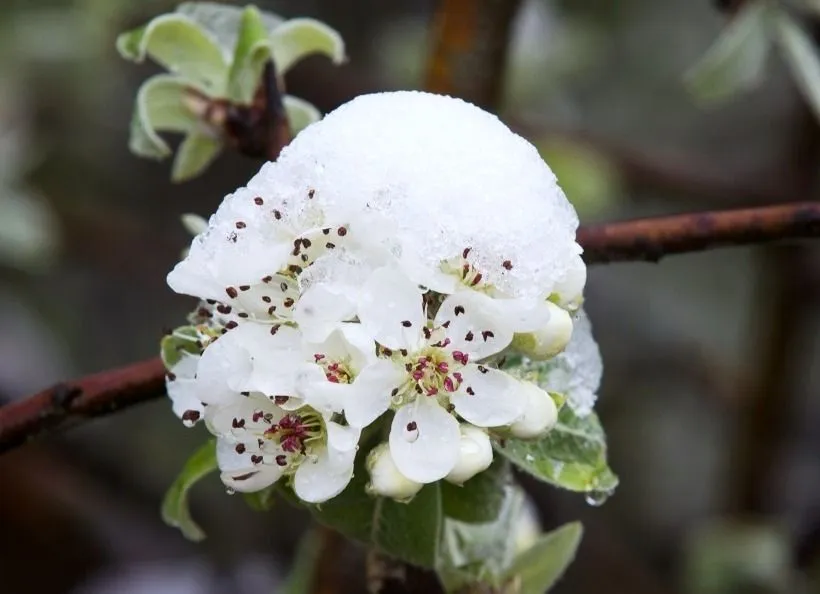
{"x": 371, "y": 393}
{"x": 325, "y": 476}
{"x": 540, "y": 414}
{"x": 224, "y": 364}
{"x": 475, "y": 455}
{"x": 524, "y": 315}
{"x": 320, "y": 309}
{"x": 385, "y": 478}
{"x": 348, "y": 341}
{"x": 239, "y": 473}
{"x": 273, "y": 298}
{"x": 240, "y": 419}
{"x": 314, "y": 389}
{"x": 390, "y": 309}
{"x": 476, "y": 325}
{"x": 183, "y": 395}
{"x": 190, "y": 277}
{"x": 488, "y": 397}
{"x": 571, "y": 288}
{"x": 424, "y": 441}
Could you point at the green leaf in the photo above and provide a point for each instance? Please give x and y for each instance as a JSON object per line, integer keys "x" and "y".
{"x": 301, "y": 114}
{"x": 195, "y": 153}
{"x": 185, "y": 339}
{"x": 263, "y": 500}
{"x": 223, "y": 21}
{"x": 159, "y": 106}
{"x": 175, "y": 510}
{"x": 193, "y": 223}
{"x": 737, "y": 60}
{"x": 480, "y": 499}
{"x": 180, "y": 45}
{"x": 303, "y": 570}
{"x": 571, "y": 456}
{"x": 800, "y": 53}
{"x": 296, "y": 39}
{"x": 538, "y": 568}
{"x": 473, "y": 553}
{"x": 253, "y": 49}
{"x": 410, "y": 531}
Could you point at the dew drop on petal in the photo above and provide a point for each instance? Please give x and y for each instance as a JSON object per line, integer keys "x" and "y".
{"x": 230, "y": 491}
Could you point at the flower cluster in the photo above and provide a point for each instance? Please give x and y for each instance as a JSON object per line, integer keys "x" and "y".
{"x": 382, "y": 268}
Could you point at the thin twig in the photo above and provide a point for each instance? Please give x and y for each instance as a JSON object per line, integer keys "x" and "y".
{"x": 642, "y": 239}
{"x": 651, "y": 239}
{"x": 91, "y": 396}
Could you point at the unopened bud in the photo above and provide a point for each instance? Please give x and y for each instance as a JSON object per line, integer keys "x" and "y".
{"x": 385, "y": 478}
{"x": 570, "y": 289}
{"x": 475, "y": 454}
{"x": 549, "y": 340}
{"x": 539, "y": 416}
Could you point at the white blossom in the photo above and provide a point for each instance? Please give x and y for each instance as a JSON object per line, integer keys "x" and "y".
{"x": 180, "y": 383}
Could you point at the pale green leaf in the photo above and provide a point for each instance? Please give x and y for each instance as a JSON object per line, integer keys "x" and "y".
{"x": 737, "y": 60}
{"x": 222, "y": 21}
{"x": 253, "y": 49}
{"x": 159, "y": 106}
{"x": 410, "y": 531}
{"x": 800, "y": 53}
{"x": 180, "y": 45}
{"x": 175, "y": 510}
{"x": 195, "y": 153}
{"x": 302, "y": 571}
{"x": 262, "y": 500}
{"x": 194, "y": 223}
{"x": 174, "y": 346}
{"x": 301, "y": 114}
{"x": 296, "y": 39}
{"x": 571, "y": 456}
{"x": 537, "y": 569}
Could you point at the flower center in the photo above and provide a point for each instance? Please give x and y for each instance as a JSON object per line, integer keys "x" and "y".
{"x": 461, "y": 267}
{"x": 294, "y": 431}
{"x": 338, "y": 371}
{"x": 433, "y": 372}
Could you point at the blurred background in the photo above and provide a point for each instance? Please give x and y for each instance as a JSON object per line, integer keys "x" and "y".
{"x": 712, "y": 370}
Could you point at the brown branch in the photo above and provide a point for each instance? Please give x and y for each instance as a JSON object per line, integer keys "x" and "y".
{"x": 642, "y": 239}
{"x": 69, "y": 402}
{"x": 651, "y": 239}
{"x": 471, "y": 42}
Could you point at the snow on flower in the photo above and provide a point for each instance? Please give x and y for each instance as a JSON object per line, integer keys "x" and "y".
{"x": 382, "y": 268}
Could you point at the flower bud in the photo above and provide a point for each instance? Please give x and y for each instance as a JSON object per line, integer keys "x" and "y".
{"x": 540, "y": 415}
{"x": 385, "y": 478}
{"x": 527, "y": 527}
{"x": 475, "y": 454}
{"x": 548, "y": 341}
{"x": 570, "y": 289}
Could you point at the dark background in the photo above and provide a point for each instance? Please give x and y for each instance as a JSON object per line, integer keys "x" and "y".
{"x": 711, "y": 360}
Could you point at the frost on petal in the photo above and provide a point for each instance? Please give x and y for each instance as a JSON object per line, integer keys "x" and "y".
{"x": 474, "y": 324}
{"x": 576, "y": 372}
{"x": 488, "y": 397}
{"x": 239, "y": 472}
{"x": 447, "y": 176}
{"x": 325, "y": 474}
{"x": 424, "y": 440}
{"x": 371, "y": 393}
{"x": 390, "y": 309}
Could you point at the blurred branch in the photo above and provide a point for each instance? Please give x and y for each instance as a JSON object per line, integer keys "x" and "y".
{"x": 88, "y": 397}
{"x": 641, "y": 239}
{"x": 652, "y": 238}
{"x": 470, "y": 46}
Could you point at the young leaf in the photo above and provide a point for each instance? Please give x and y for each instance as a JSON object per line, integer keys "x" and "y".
{"x": 538, "y": 568}
{"x": 301, "y": 114}
{"x": 410, "y": 531}
{"x": 195, "y": 153}
{"x": 480, "y": 499}
{"x": 571, "y": 456}
{"x": 301, "y": 576}
{"x": 253, "y": 49}
{"x": 193, "y": 223}
{"x": 297, "y": 38}
{"x": 175, "y": 510}
{"x": 159, "y": 106}
{"x": 174, "y": 346}
{"x": 180, "y": 45}
{"x": 737, "y": 60}
{"x": 263, "y": 500}
{"x": 800, "y": 53}
{"x": 222, "y": 21}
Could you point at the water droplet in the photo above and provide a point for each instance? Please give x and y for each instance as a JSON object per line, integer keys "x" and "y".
{"x": 230, "y": 491}
{"x": 529, "y": 458}
{"x": 597, "y": 498}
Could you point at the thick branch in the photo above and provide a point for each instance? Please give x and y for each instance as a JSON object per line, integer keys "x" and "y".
{"x": 651, "y": 239}
{"x": 91, "y": 396}
{"x": 642, "y": 239}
